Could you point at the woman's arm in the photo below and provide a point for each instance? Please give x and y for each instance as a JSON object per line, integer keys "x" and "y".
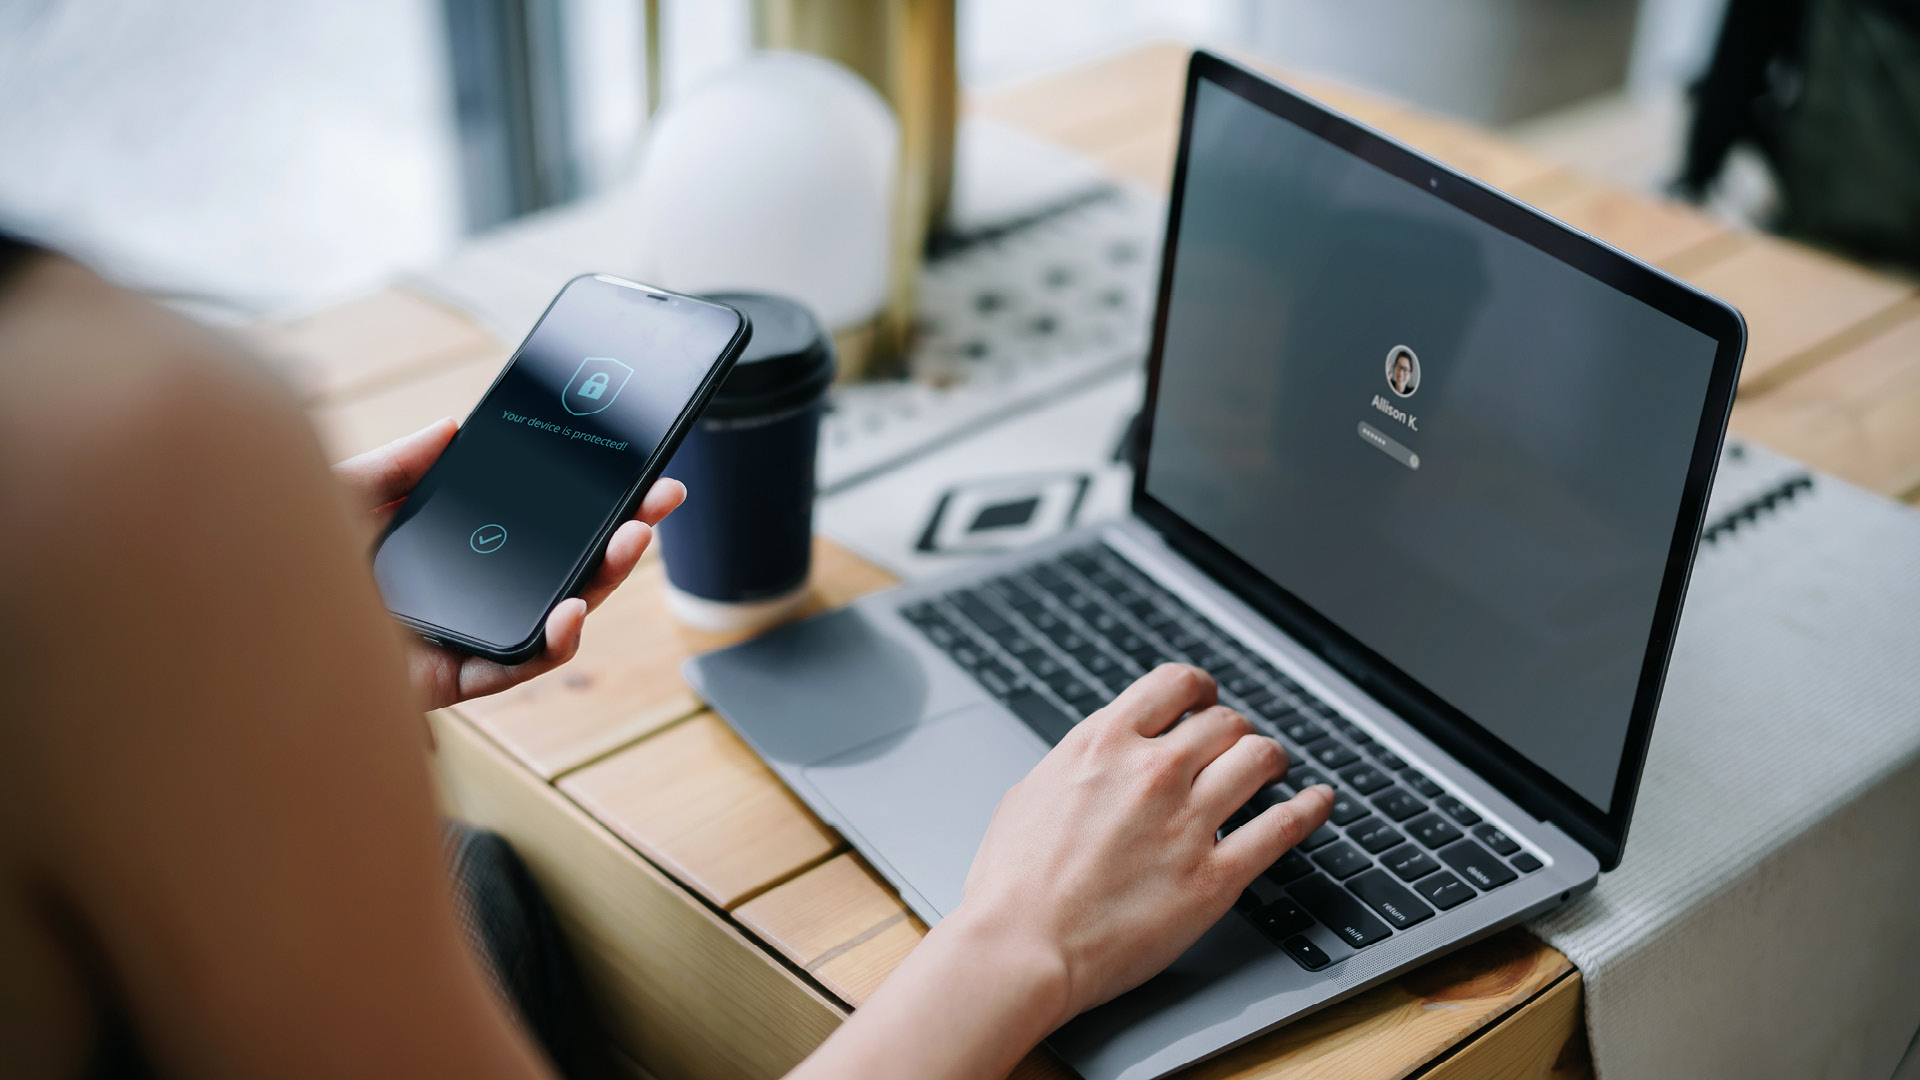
{"x": 214, "y": 792}
{"x": 1097, "y": 871}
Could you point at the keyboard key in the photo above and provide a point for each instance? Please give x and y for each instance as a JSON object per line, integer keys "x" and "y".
{"x": 996, "y": 678}
{"x": 1043, "y": 716}
{"x": 1476, "y": 864}
{"x": 1500, "y": 842}
{"x": 1433, "y": 830}
{"x": 1391, "y": 899}
{"x": 1208, "y": 657}
{"x": 1282, "y": 919}
{"x": 1265, "y": 797}
{"x": 1088, "y": 702}
{"x": 977, "y": 611}
{"x": 919, "y": 613}
{"x": 1525, "y": 863}
{"x": 942, "y": 633}
{"x": 1261, "y": 695}
{"x": 1098, "y": 664}
{"x": 1443, "y": 890}
{"x": 1239, "y": 683}
{"x": 1303, "y": 730}
{"x": 1342, "y": 860}
{"x": 1333, "y": 755}
{"x": 1160, "y": 621}
{"x": 1457, "y": 810}
{"x": 1346, "y": 809}
{"x": 1067, "y": 684}
{"x": 1301, "y": 778}
{"x": 1339, "y": 911}
{"x": 1305, "y": 953}
{"x": 1318, "y": 838}
{"x": 1291, "y": 867}
{"x": 1050, "y": 578}
{"x": 1388, "y": 759}
{"x": 1366, "y": 779}
{"x": 1186, "y": 641}
{"x": 1418, "y": 781}
{"x": 1409, "y": 863}
{"x": 1375, "y": 835}
{"x": 1397, "y": 804}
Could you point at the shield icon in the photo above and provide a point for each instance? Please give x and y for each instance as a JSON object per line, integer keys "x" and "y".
{"x": 593, "y": 387}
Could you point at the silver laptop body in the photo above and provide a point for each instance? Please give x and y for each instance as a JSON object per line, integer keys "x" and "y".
{"x": 902, "y": 719}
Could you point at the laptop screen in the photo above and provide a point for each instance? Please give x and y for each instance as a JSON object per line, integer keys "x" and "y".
{"x": 1463, "y": 452}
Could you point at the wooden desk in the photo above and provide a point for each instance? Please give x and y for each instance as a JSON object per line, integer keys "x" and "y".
{"x": 727, "y": 929}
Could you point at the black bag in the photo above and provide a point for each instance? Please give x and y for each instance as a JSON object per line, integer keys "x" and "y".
{"x": 1848, "y": 155}
{"x": 1829, "y": 92}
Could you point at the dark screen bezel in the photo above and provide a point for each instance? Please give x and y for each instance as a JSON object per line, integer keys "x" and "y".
{"x": 1602, "y": 830}
{"x": 649, "y": 471}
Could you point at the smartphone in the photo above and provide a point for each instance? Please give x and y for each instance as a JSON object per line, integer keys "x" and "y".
{"x": 517, "y": 512}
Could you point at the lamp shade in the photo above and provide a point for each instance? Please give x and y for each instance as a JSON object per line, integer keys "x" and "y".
{"x": 775, "y": 175}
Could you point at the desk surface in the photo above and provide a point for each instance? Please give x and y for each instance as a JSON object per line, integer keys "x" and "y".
{"x": 616, "y": 743}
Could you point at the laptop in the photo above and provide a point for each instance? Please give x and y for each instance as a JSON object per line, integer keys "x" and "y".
{"x": 1419, "y": 478}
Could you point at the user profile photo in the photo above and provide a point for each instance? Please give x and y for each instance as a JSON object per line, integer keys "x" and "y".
{"x": 1403, "y": 371}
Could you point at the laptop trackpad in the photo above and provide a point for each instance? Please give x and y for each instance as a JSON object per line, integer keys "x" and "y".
{"x": 921, "y": 799}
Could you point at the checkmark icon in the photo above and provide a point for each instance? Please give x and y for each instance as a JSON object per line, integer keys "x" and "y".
{"x": 487, "y": 539}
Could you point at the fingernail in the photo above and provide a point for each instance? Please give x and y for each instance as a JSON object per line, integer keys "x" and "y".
{"x": 1324, "y": 789}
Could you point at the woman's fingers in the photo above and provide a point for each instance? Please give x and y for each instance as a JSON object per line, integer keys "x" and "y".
{"x": 481, "y": 677}
{"x": 661, "y": 499}
{"x": 628, "y": 543}
{"x": 631, "y": 540}
{"x": 1259, "y": 843}
{"x": 1204, "y": 736}
{"x": 1158, "y": 699}
{"x": 380, "y": 476}
{"x": 1231, "y": 778}
{"x": 564, "y": 627}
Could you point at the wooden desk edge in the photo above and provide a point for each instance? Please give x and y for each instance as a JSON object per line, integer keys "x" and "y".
{"x": 681, "y": 989}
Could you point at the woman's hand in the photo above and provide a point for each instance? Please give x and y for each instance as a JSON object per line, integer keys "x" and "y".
{"x": 379, "y": 480}
{"x": 1098, "y": 870}
{"x": 1105, "y": 859}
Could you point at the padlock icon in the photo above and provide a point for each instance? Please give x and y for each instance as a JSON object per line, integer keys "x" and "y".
{"x": 595, "y": 385}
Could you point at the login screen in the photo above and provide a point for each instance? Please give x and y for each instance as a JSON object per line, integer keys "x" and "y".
{"x": 1464, "y": 452}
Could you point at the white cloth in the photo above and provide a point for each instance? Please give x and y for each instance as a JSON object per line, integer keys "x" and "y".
{"x": 1765, "y": 921}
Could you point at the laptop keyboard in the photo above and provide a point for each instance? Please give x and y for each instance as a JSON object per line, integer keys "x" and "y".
{"x": 1057, "y": 639}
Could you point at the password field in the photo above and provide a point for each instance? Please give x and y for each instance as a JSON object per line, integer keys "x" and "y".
{"x": 1388, "y": 445}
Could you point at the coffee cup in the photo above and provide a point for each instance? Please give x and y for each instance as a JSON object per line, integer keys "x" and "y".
{"x": 739, "y": 550}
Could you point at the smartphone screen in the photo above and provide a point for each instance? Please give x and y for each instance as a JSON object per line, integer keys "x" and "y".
{"x": 515, "y": 510}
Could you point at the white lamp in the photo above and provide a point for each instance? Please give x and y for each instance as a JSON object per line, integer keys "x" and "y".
{"x": 775, "y": 175}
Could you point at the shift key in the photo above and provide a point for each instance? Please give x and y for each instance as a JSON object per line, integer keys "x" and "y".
{"x": 1338, "y": 910}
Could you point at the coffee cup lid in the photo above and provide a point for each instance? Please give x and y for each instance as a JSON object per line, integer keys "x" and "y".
{"x": 788, "y": 363}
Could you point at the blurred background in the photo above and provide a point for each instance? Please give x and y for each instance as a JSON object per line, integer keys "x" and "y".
{"x": 253, "y": 156}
